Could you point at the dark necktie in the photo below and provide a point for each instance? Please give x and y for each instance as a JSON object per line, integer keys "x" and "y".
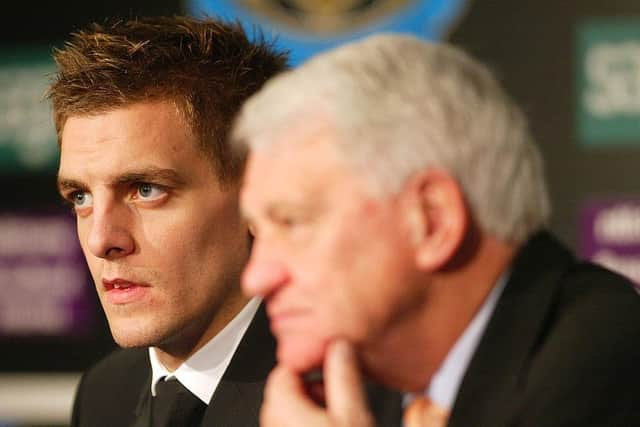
{"x": 175, "y": 406}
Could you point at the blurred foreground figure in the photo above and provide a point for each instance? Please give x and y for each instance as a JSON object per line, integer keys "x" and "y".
{"x": 142, "y": 109}
{"x": 399, "y": 207}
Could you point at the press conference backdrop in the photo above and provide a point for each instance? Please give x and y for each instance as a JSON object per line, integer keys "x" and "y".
{"x": 574, "y": 66}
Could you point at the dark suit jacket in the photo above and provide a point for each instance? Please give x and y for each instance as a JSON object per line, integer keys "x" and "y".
{"x": 116, "y": 392}
{"x": 561, "y": 349}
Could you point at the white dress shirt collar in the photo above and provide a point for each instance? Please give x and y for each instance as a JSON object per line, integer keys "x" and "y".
{"x": 201, "y": 373}
{"x": 444, "y": 384}
{"x": 446, "y": 381}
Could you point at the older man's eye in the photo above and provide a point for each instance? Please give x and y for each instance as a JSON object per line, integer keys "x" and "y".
{"x": 286, "y": 221}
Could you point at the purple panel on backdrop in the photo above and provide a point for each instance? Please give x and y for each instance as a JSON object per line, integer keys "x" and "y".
{"x": 610, "y": 234}
{"x": 43, "y": 280}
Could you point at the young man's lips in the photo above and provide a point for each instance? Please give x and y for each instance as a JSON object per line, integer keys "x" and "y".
{"x": 120, "y": 291}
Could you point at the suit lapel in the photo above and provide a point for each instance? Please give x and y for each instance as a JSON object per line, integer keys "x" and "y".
{"x": 238, "y": 397}
{"x": 143, "y": 408}
{"x": 488, "y": 392}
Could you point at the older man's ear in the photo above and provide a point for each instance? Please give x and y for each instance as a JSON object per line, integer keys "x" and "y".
{"x": 437, "y": 216}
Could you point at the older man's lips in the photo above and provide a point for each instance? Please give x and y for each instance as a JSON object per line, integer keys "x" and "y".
{"x": 120, "y": 291}
{"x": 283, "y": 321}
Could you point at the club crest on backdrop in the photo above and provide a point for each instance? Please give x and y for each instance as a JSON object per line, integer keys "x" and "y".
{"x": 328, "y": 17}
{"x": 306, "y": 27}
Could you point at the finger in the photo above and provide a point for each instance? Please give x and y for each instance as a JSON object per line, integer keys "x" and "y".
{"x": 285, "y": 402}
{"x": 346, "y": 400}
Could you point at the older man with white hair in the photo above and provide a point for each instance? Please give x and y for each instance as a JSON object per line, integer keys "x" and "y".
{"x": 399, "y": 208}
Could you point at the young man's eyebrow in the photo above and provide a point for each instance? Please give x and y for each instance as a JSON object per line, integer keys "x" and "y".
{"x": 65, "y": 185}
{"x": 150, "y": 174}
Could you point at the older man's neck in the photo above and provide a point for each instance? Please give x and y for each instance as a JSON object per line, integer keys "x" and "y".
{"x": 414, "y": 348}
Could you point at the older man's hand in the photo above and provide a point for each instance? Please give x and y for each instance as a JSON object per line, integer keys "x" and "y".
{"x": 287, "y": 404}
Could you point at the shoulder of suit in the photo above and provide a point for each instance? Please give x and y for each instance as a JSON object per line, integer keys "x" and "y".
{"x": 593, "y": 324}
{"x": 119, "y": 369}
{"x": 580, "y": 288}
{"x": 601, "y": 293}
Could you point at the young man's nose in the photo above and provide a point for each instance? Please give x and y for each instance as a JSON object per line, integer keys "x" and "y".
{"x": 110, "y": 235}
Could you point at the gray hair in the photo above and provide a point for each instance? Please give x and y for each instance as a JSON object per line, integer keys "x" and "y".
{"x": 398, "y": 105}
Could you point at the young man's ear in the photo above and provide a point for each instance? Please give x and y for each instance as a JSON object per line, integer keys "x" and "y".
{"x": 437, "y": 216}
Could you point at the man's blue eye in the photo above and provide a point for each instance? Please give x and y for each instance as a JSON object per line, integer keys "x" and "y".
{"x": 81, "y": 199}
{"x": 145, "y": 190}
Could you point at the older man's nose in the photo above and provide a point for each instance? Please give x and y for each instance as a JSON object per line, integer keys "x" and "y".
{"x": 264, "y": 273}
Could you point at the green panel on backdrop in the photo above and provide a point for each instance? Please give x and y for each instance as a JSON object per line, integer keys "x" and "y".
{"x": 27, "y": 134}
{"x": 608, "y": 82}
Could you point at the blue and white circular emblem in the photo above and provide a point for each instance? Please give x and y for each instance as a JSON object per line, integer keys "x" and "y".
{"x": 306, "y": 27}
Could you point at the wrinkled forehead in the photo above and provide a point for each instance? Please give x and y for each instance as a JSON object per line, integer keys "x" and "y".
{"x": 304, "y": 175}
{"x": 294, "y": 159}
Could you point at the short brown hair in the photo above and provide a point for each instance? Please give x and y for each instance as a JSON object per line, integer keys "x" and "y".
{"x": 207, "y": 66}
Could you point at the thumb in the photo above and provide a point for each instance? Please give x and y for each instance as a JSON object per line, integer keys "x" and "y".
{"x": 345, "y": 397}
